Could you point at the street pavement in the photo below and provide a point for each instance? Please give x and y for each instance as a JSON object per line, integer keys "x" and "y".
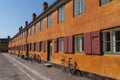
{"x": 15, "y": 68}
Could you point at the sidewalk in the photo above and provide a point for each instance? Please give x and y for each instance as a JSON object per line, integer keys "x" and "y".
{"x": 51, "y": 72}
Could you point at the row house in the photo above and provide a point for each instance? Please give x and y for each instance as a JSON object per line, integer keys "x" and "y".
{"x": 88, "y": 31}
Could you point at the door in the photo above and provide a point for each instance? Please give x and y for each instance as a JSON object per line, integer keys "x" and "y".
{"x": 49, "y": 47}
{"x": 27, "y": 49}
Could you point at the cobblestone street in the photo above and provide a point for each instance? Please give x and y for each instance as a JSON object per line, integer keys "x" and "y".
{"x": 15, "y": 68}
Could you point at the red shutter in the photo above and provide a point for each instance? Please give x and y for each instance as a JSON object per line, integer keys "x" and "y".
{"x": 37, "y": 46}
{"x": 29, "y": 46}
{"x": 96, "y": 48}
{"x": 55, "y": 45}
{"x": 87, "y": 43}
{"x": 32, "y": 46}
{"x": 70, "y": 44}
{"x": 66, "y": 44}
{"x": 24, "y": 46}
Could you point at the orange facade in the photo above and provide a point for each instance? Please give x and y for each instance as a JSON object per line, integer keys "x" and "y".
{"x": 96, "y": 17}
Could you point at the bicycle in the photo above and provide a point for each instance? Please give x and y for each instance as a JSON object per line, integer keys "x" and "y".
{"x": 38, "y": 59}
{"x": 72, "y": 68}
{"x": 63, "y": 61}
{"x": 69, "y": 67}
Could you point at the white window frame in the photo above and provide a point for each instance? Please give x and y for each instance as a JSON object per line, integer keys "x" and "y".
{"x": 41, "y": 24}
{"x": 49, "y": 20}
{"x": 35, "y": 28}
{"x": 61, "y": 13}
{"x": 78, "y": 43}
{"x": 61, "y": 45}
{"x": 112, "y": 41}
{"x": 79, "y": 7}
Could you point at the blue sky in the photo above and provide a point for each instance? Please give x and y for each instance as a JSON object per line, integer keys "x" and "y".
{"x": 14, "y": 13}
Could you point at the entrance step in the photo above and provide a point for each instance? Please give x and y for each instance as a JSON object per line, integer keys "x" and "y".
{"x": 47, "y": 64}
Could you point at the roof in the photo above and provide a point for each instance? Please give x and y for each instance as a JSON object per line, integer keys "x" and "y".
{"x": 45, "y": 13}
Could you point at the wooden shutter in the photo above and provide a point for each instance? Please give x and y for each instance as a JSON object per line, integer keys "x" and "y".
{"x": 29, "y": 46}
{"x": 66, "y": 44}
{"x": 87, "y": 43}
{"x": 32, "y": 46}
{"x": 70, "y": 44}
{"x": 37, "y": 46}
{"x": 55, "y": 45}
{"x": 96, "y": 46}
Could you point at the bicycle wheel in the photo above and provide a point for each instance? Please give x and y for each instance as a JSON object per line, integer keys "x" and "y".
{"x": 78, "y": 73}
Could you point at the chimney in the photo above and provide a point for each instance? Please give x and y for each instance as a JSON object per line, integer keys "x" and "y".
{"x": 34, "y": 16}
{"x": 20, "y": 28}
{"x": 8, "y": 37}
{"x": 26, "y": 23}
{"x": 45, "y": 6}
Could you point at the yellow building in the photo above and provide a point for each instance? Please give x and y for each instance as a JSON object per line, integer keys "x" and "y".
{"x": 85, "y": 30}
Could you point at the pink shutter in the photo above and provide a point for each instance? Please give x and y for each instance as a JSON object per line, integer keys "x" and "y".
{"x": 66, "y": 44}
{"x": 32, "y": 46}
{"x": 37, "y": 46}
{"x": 55, "y": 45}
{"x": 29, "y": 46}
{"x": 96, "y": 48}
{"x": 87, "y": 43}
{"x": 25, "y": 47}
{"x": 70, "y": 44}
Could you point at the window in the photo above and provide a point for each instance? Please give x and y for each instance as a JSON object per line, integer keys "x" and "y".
{"x": 41, "y": 25}
{"x": 61, "y": 14}
{"x": 61, "y": 44}
{"x": 41, "y": 46}
{"x": 111, "y": 41}
{"x": 35, "y": 28}
{"x": 30, "y": 31}
{"x": 78, "y": 7}
{"x": 106, "y": 42}
{"x": 78, "y": 43}
{"x": 104, "y": 1}
{"x": 49, "y": 20}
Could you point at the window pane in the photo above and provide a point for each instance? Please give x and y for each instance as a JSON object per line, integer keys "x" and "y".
{"x": 61, "y": 13}
{"x": 41, "y": 25}
{"x": 59, "y": 17}
{"x": 60, "y": 45}
{"x": 63, "y": 7}
{"x": 106, "y": 42}
{"x": 81, "y": 6}
{"x": 107, "y": 46}
{"x": 117, "y": 35}
{"x": 117, "y": 46}
{"x": 49, "y": 20}
{"x": 106, "y": 36}
{"x": 78, "y": 43}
